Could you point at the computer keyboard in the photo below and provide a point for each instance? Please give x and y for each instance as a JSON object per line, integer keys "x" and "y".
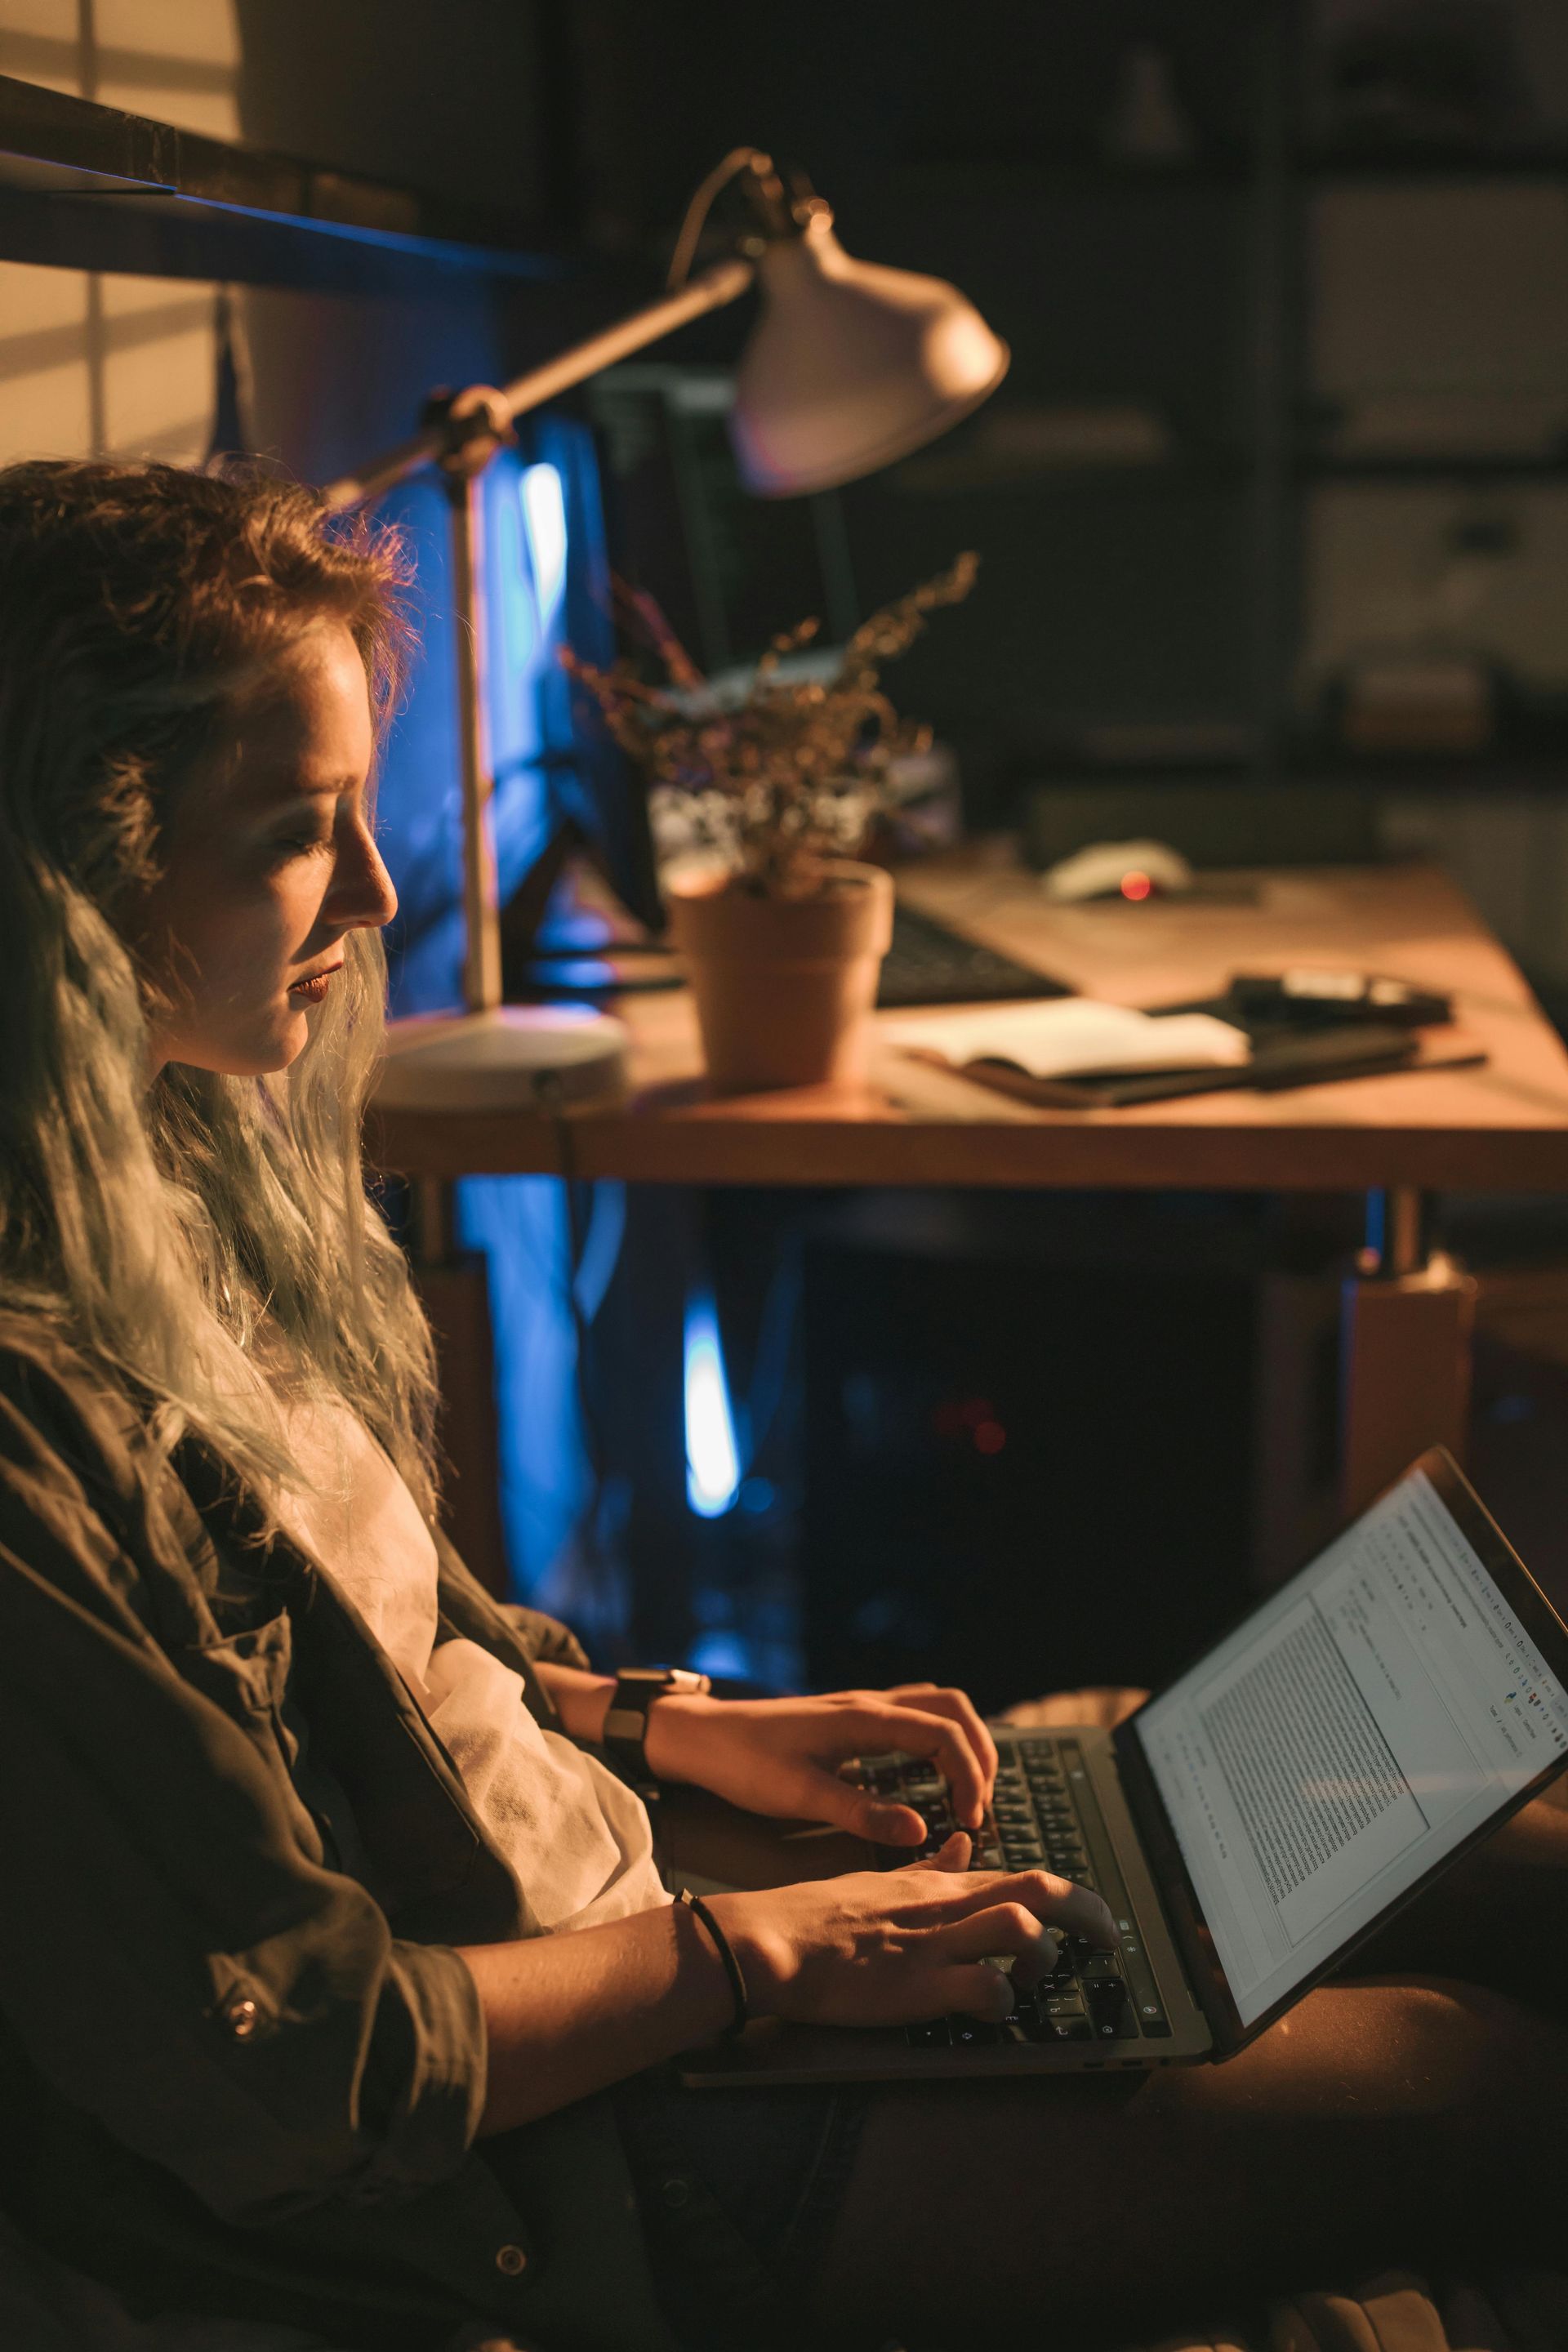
{"x": 1044, "y": 1815}
{"x": 929, "y": 964}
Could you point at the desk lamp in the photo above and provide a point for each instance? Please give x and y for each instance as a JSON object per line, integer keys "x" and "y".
{"x": 848, "y": 367}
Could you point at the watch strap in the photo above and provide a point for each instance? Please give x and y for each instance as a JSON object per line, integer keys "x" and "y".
{"x": 639, "y": 1688}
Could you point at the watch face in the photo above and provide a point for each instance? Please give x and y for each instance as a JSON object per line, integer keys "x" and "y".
{"x": 640, "y": 1686}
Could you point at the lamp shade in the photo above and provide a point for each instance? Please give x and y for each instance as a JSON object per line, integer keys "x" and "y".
{"x": 851, "y": 366}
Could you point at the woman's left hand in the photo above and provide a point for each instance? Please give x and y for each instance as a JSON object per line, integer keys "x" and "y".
{"x": 781, "y": 1755}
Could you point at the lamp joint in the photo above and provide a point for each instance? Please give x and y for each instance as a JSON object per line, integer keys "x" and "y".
{"x": 765, "y": 191}
{"x": 474, "y": 424}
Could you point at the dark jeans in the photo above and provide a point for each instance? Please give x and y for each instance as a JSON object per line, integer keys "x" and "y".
{"x": 739, "y": 2191}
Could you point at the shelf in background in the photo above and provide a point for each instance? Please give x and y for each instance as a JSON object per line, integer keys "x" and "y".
{"x": 1223, "y": 168}
{"x": 1543, "y": 159}
{"x": 76, "y": 177}
{"x": 1538, "y": 770}
{"x": 1543, "y": 769}
{"x": 1223, "y": 469}
{"x": 1445, "y": 466}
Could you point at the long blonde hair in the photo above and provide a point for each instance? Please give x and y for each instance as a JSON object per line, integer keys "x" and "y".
{"x": 182, "y": 1232}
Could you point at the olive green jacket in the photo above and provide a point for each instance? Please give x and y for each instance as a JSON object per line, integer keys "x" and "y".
{"x": 241, "y": 2068}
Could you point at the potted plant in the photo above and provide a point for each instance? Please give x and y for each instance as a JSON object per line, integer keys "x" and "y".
{"x": 780, "y": 929}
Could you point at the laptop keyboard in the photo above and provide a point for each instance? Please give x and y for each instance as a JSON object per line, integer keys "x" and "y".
{"x": 1043, "y": 1816}
{"x": 927, "y": 964}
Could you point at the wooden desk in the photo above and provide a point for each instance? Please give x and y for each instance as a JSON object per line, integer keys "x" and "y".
{"x": 1502, "y": 1127}
{"x": 1406, "y": 1341}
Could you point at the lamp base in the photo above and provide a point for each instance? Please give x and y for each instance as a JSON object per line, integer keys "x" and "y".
{"x": 557, "y": 1059}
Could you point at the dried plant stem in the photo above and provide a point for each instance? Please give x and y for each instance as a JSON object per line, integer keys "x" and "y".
{"x": 793, "y": 771}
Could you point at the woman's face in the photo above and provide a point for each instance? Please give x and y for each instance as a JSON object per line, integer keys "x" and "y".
{"x": 269, "y": 864}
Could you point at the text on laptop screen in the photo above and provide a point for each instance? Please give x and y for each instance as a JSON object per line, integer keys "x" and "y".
{"x": 1382, "y": 1706}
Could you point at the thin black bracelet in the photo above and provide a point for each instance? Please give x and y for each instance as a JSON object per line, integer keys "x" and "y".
{"x": 731, "y": 1965}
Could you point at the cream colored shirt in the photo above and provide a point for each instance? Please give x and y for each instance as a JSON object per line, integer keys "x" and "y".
{"x": 578, "y": 1840}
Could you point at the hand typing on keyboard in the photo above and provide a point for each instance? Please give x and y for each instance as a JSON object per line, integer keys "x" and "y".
{"x": 786, "y": 1757}
{"x": 1042, "y": 1813}
{"x": 913, "y": 1769}
{"x": 1031, "y": 1818}
{"x": 899, "y": 1947}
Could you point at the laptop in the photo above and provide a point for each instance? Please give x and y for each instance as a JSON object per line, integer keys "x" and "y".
{"x": 1257, "y": 1820}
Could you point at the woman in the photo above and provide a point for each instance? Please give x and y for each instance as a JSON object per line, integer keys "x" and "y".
{"x": 336, "y": 1981}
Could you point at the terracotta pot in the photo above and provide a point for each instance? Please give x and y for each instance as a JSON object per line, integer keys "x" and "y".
{"x": 783, "y": 986}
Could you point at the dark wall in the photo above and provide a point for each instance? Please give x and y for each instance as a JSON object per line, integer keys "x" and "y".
{"x": 443, "y": 95}
{"x": 848, "y": 89}
{"x": 973, "y": 144}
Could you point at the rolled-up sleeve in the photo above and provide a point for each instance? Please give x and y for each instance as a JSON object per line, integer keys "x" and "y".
{"x": 171, "y": 1960}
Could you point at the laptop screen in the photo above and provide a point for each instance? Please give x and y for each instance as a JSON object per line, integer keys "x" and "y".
{"x": 1370, "y": 1716}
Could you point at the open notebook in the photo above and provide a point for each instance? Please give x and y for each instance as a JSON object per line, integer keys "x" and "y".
{"x": 1080, "y": 1055}
{"x": 1073, "y": 1038}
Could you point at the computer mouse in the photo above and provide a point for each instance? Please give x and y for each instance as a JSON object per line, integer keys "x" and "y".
{"x": 1133, "y": 870}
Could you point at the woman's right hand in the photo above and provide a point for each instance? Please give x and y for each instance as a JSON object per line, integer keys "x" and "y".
{"x": 566, "y": 2015}
{"x": 892, "y": 1948}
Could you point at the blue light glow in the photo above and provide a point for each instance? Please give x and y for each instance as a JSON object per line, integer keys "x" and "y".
{"x": 722, "y": 1653}
{"x": 544, "y": 519}
{"x": 516, "y": 648}
{"x": 544, "y": 563}
{"x": 713, "y": 1460}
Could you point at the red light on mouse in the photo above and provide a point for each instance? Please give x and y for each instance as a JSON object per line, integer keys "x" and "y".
{"x": 1135, "y": 884}
{"x": 990, "y": 1437}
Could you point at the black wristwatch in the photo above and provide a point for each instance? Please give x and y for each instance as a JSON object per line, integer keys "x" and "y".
{"x": 625, "y": 1722}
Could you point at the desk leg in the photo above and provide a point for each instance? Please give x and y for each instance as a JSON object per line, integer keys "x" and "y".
{"x": 453, "y": 1286}
{"x": 1409, "y": 1313}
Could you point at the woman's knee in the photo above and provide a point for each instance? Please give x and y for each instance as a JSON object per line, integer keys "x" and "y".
{"x": 1385, "y": 2049}
{"x": 1536, "y": 1837}
{"x": 1440, "y": 2046}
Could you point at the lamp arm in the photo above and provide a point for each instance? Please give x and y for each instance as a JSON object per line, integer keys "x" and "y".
{"x": 725, "y": 282}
